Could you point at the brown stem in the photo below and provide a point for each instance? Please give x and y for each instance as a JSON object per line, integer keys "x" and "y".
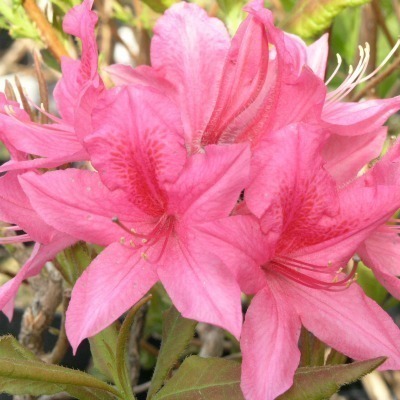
{"x": 48, "y": 33}
{"x": 44, "y": 93}
{"x": 380, "y": 18}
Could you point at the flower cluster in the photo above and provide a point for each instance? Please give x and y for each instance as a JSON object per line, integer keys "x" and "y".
{"x": 224, "y": 168}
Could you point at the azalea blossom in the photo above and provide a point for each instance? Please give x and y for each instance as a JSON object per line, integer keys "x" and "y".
{"x": 313, "y": 230}
{"x": 16, "y": 210}
{"x": 77, "y": 94}
{"x": 147, "y": 203}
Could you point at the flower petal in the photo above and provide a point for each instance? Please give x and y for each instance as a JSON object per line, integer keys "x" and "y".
{"x": 189, "y": 49}
{"x": 201, "y": 287}
{"x": 352, "y": 119}
{"x": 40, "y": 255}
{"x": 113, "y": 282}
{"x": 317, "y": 55}
{"x": 346, "y": 155}
{"x": 77, "y": 203}
{"x": 142, "y": 149}
{"x": 269, "y": 345}
{"x": 381, "y": 252}
{"x": 331, "y": 317}
{"x": 210, "y": 184}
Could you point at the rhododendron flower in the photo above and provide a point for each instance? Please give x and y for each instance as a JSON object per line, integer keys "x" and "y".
{"x": 148, "y": 204}
{"x": 241, "y": 89}
{"x": 313, "y": 230}
{"x": 77, "y": 94}
{"x": 16, "y": 210}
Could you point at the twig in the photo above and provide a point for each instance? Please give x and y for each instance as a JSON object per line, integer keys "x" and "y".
{"x": 212, "y": 338}
{"x": 14, "y": 54}
{"x": 134, "y": 344}
{"x": 47, "y": 31}
{"x": 44, "y": 93}
{"x": 141, "y": 388}
{"x": 62, "y": 344}
{"x": 380, "y": 19}
{"x": 24, "y": 101}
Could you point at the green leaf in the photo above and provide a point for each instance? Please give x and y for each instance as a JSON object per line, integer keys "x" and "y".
{"x": 311, "y": 17}
{"x": 204, "y": 378}
{"x": 103, "y": 347}
{"x": 21, "y": 373}
{"x": 372, "y": 288}
{"x": 312, "y": 350}
{"x": 123, "y": 376}
{"x": 320, "y": 383}
{"x": 232, "y": 13}
{"x": 177, "y": 333}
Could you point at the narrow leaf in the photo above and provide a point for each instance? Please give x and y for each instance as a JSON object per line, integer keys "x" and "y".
{"x": 177, "y": 333}
{"x": 121, "y": 353}
{"x": 311, "y": 17}
{"x": 320, "y": 383}
{"x": 204, "y": 378}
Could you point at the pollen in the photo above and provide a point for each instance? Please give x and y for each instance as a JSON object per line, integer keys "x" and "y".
{"x": 122, "y": 240}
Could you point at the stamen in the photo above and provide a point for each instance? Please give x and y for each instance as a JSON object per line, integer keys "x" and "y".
{"x": 339, "y": 61}
{"x": 356, "y": 77}
{"x": 15, "y": 239}
{"x": 290, "y": 268}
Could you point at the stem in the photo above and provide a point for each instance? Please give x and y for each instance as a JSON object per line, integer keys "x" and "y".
{"x": 48, "y": 33}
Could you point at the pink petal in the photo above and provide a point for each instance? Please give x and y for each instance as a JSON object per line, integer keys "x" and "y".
{"x": 201, "y": 287}
{"x": 189, "y": 49}
{"x": 269, "y": 345}
{"x": 15, "y": 208}
{"x": 317, "y": 55}
{"x": 77, "y": 203}
{"x": 239, "y": 242}
{"x": 80, "y": 21}
{"x": 52, "y": 140}
{"x": 331, "y": 317}
{"x": 352, "y": 119}
{"x": 142, "y": 150}
{"x": 40, "y": 255}
{"x": 346, "y": 155}
{"x": 51, "y": 162}
{"x": 210, "y": 184}
{"x": 289, "y": 189}
{"x": 141, "y": 75}
{"x": 381, "y": 252}
{"x": 117, "y": 279}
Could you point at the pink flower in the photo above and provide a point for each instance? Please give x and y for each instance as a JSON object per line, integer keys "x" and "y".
{"x": 313, "y": 230}
{"x": 15, "y": 209}
{"x": 149, "y": 205}
{"x": 78, "y": 94}
{"x": 228, "y": 91}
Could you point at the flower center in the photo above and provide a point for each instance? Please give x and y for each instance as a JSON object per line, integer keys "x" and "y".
{"x": 156, "y": 240}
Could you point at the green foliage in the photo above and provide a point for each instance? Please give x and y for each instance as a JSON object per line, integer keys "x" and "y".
{"x": 312, "y": 350}
{"x": 204, "y": 378}
{"x": 22, "y": 373}
{"x": 177, "y": 333}
{"x": 311, "y": 17}
{"x": 372, "y": 288}
{"x": 14, "y": 19}
{"x": 320, "y": 383}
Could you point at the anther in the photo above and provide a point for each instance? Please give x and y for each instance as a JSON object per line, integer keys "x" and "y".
{"x": 121, "y": 225}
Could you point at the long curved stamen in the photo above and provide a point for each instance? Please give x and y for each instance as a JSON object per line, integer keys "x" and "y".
{"x": 15, "y": 239}
{"x": 339, "y": 62}
{"x": 291, "y": 262}
{"x": 291, "y": 271}
{"x": 356, "y": 77}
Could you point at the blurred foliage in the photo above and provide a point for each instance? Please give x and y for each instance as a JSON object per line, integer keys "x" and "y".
{"x": 14, "y": 19}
